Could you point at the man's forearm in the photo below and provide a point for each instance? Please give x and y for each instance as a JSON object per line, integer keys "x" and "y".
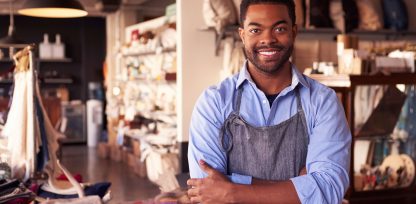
{"x": 262, "y": 191}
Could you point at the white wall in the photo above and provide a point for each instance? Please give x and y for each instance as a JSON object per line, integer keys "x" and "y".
{"x": 198, "y": 67}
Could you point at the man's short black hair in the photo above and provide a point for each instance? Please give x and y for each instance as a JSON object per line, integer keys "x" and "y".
{"x": 246, "y": 3}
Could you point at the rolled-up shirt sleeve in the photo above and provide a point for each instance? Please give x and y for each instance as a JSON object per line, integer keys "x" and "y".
{"x": 328, "y": 156}
{"x": 206, "y": 121}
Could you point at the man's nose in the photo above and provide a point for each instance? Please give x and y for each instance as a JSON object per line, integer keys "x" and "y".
{"x": 268, "y": 38}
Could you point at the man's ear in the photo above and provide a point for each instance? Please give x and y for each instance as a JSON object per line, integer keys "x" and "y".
{"x": 241, "y": 33}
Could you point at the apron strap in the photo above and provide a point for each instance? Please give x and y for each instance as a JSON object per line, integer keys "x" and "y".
{"x": 300, "y": 110}
{"x": 238, "y": 100}
{"x": 226, "y": 138}
{"x": 298, "y": 101}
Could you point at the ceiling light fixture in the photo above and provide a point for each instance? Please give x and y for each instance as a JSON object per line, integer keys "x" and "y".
{"x": 10, "y": 40}
{"x": 53, "y": 9}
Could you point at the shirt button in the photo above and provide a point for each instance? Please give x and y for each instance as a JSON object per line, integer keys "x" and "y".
{"x": 264, "y": 101}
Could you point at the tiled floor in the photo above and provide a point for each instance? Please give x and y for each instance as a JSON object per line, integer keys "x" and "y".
{"x": 126, "y": 186}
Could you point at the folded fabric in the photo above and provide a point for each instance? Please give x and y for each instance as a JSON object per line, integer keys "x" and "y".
{"x": 19, "y": 200}
{"x": 5, "y": 185}
{"x": 99, "y": 189}
{"x": 86, "y": 200}
{"x": 18, "y": 195}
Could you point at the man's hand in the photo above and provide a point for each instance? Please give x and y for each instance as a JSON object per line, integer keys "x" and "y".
{"x": 215, "y": 188}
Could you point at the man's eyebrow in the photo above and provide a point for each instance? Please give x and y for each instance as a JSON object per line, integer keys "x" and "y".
{"x": 275, "y": 24}
{"x": 280, "y": 22}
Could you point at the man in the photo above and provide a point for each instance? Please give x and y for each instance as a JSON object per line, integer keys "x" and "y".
{"x": 267, "y": 123}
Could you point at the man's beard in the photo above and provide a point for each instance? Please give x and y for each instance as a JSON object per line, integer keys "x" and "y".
{"x": 253, "y": 57}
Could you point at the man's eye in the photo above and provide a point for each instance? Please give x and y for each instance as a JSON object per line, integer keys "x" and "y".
{"x": 254, "y": 31}
{"x": 281, "y": 29}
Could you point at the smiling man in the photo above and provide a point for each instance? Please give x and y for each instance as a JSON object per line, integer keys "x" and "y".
{"x": 268, "y": 134}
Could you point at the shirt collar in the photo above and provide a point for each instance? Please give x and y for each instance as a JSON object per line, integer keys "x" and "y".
{"x": 297, "y": 77}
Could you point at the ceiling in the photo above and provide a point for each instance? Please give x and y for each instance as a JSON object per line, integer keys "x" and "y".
{"x": 153, "y": 6}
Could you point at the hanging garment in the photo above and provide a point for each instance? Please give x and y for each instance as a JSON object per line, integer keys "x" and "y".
{"x": 219, "y": 13}
{"x": 407, "y": 123}
{"x": 53, "y": 168}
{"x": 42, "y": 157}
{"x": 275, "y": 152}
{"x": 233, "y": 59}
{"x": 366, "y": 99}
{"x": 28, "y": 128}
{"x": 237, "y": 4}
{"x": 337, "y": 15}
{"x": 20, "y": 126}
{"x": 344, "y": 15}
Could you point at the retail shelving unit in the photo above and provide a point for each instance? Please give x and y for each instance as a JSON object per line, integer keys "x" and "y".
{"x": 347, "y": 91}
{"x": 146, "y": 105}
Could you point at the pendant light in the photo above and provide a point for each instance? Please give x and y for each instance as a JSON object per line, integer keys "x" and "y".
{"x": 53, "y": 9}
{"x": 10, "y": 40}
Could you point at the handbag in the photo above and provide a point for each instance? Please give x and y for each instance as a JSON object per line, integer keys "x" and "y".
{"x": 370, "y": 15}
{"x": 350, "y": 15}
{"x": 395, "y": 15}
{"x": 317, "y": 14}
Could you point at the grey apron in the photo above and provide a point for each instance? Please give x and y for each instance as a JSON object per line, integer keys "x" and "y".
{"x": 275, "y": 152}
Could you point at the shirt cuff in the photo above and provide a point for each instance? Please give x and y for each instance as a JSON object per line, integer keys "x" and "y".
{"x": 240, "y": 179}
{"x": 305, "y": 186}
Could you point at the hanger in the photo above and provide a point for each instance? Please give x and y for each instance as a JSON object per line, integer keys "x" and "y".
{"x": 22, "y": 58}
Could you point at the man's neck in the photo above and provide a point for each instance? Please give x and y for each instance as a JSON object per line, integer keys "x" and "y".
{"x": 273, "y": 83}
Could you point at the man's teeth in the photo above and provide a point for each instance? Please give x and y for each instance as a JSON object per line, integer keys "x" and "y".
{"x": 268, "y": 53}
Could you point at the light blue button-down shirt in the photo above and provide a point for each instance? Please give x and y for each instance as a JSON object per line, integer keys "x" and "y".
{"x": 328, "y": 157}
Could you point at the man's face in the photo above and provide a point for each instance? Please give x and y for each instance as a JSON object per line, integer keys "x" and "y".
{"x": 268, "y": 36}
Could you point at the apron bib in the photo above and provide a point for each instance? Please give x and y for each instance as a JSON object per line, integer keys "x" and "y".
{"x": 275, "y": 152}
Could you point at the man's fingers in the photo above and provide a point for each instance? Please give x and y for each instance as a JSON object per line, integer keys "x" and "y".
{"x": 196, "y": 199}
{"x": 303, "y": 172}
{"x": 193, "y": 195}
{"x": 192, "y": 192}
{"x": 193, "y": 182}
{"x": 206, "y": 167}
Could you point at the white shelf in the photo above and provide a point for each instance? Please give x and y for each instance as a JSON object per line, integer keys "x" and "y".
{"x": 164, "y": 50}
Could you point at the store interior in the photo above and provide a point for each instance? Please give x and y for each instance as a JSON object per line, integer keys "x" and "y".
{"x": 112, "y": 91}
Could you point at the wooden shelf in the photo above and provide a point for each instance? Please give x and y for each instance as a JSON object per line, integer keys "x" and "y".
{"x": 57, "y": 81}
{"x": 43, "y": 81}
{"x": 335, "y": 31}
{"x": 63, "y": 60}
{"x": 6, "y": 60}
{"x": 164, "y": 50}
{"x": 398, "y": 78}
{"x": 232, "y": 31}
